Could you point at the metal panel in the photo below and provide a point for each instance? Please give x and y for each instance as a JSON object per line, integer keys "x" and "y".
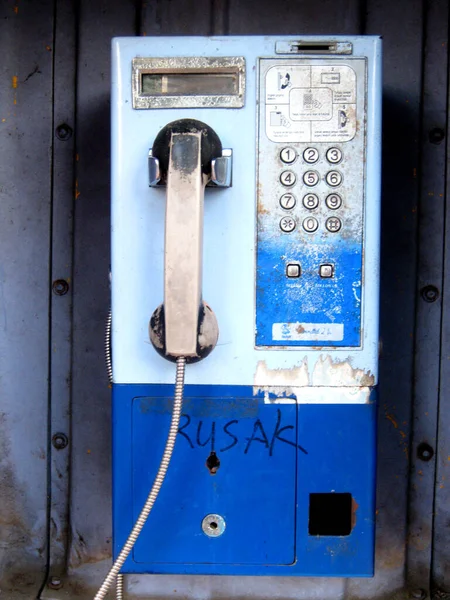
{"x": 428, "y": 310}
{"x": 25, "y": 193}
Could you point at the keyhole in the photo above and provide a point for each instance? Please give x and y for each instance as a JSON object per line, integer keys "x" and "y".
{"x": 213, "y": 463}
{"x": 213, "y": 525}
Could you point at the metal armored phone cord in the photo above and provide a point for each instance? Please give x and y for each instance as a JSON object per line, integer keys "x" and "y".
{"x": 159, "y": 479}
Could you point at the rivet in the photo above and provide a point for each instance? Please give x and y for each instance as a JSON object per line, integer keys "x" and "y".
{"x": 64, "y": 132}
{"x": 425, "y": 452}
{"x": 429, "y": 293}
{"x": 60, "y": 441}
{"x": 60, "y": 287}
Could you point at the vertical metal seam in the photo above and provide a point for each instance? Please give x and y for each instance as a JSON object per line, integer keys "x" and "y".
{"x": 442, "y": 286}
{"x": 49, "y": 314}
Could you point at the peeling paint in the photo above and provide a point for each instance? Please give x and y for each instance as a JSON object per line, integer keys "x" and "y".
{"x": 327, "y": 382}
{"x": 325, "y": 372}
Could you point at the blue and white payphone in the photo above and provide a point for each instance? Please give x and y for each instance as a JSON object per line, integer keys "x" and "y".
{"x": 248, "y": 236}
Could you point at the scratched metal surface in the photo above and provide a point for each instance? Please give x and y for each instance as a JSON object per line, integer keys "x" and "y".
{"x": 55, "y": 505}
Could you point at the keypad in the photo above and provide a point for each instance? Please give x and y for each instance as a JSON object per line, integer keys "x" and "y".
{"x": 312, "y": 210}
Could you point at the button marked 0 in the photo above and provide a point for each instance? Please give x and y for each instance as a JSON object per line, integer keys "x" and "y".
{"x": 310, "y": 224}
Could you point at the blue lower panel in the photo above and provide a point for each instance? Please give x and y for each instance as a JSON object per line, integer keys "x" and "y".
{"x": 272, "y": 457}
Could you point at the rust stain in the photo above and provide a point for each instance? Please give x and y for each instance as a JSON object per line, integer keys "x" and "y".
{"x": 48, "y": 48}
{"x": 77, "y": 191}
{"x": 3, "y": 120}
{"x": 392, "y": 420}
{"x": 414, "y": 173}
{"x": 355, "y": 507}
{"x": 15, "y": 81}
{"x": 16, "y": 9}
{"x": 300, "y": 329}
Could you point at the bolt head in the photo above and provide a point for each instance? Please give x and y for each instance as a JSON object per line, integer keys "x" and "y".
{"x": 64, "y": 132}
{"x": 425, "y": 452}
{"x": 60, "y": 287}
{"x": 429, "y": 293}
{"x": 55, "y": 582}
{"x": 60, "y": 441}
{"x": 436, "y": 135}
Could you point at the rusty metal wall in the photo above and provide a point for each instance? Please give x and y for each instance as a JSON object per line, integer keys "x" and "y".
{"x": 55, "y": 512}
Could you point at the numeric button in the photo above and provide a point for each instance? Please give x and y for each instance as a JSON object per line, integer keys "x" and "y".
{"x": 288, "y": 155}
{"x": 310, "y": 224}
{"x": 311, "y": 178}
{"x": 334, "y": 155}
{"x": 287, "y": 224}
{"x": 288, "y": 178}
{"x": 288, "y": 201}
{"x": 311, "y": 155}
{"x": 333, "y": 201}
{"x": 333, "y": 178}
{"x": 310, "y": 201}
{"x": 333, "y": 224}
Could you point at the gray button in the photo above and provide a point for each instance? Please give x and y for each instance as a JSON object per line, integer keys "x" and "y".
{"x": 311, "y": 178}
{"x": 293, "y": 270}
{"x": 334, "y": 178}
{"x": 311, "y": 155}
{"x": 333, "y": 224}
{"x": 333, "y": 201}
{"x": 288, "y": 155}
{"x": 310, "y": 201}
{"x": 334, "y": 155}
{"x": 310, "y": 224}
{"x": 287, "y": 224}
{"x": 288, "y": 178}
{"x": 326, "y": 271}
{"x": 287, "y": 201}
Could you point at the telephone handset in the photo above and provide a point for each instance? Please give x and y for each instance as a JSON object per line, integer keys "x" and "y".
{"x": 184, "y": 325}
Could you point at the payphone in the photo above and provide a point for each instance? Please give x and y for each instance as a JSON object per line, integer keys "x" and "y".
{"x": 245, "y": 249}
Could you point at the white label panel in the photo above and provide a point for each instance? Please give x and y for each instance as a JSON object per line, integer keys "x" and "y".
{"x": 310, "y": 103}
{"x": 312, "y": 332}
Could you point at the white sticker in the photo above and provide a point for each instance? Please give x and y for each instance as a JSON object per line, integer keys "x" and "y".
{"x": 310, "y": 103}
{"x": 308, "y": 332}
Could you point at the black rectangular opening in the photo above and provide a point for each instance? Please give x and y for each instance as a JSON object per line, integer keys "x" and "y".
{"x": 314, "y": 47}
{"x": 330, "y": 514}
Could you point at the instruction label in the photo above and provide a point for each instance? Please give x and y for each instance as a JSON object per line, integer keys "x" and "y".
{"x": 310, "y": 103}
